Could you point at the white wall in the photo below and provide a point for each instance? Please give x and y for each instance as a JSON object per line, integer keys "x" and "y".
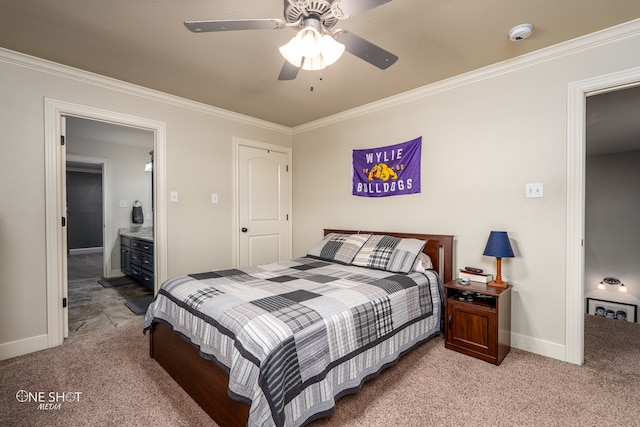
{"x": 612, "y": 243}
{"x": 199, "y": 142}
{"x": 485, "y": 135}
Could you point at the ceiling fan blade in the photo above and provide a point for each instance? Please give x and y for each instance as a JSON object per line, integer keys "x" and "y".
{"x": 288, "y": 72}
{"x": 234, "y": 25}
{"x": 354, "y": 7}
{"x": 366, "y": 50}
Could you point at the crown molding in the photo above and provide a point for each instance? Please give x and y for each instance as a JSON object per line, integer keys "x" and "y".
{"x": 589, "y": 41}
{"x": 87, "y": 77}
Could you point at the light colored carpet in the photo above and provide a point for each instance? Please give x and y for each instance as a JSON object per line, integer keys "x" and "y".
{"x": 121, "y": 386}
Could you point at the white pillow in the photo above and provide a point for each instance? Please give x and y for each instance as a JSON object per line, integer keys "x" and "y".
{"x": 423, "y": 263}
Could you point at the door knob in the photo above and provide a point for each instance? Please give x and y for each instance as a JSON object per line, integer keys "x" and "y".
{"x": 244, "y": 229}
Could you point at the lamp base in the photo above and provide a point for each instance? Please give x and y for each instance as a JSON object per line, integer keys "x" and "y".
{"x": 499, "y": 284}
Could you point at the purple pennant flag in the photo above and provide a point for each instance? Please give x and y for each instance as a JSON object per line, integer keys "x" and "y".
{"x": 387, "y": 171}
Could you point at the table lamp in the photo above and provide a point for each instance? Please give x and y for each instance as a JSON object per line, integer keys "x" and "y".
{"x": 498, "y": 246}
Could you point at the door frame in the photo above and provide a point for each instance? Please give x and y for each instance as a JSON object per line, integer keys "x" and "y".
{"x": 106, "y": 220}
{"x": 54, "y": 110}
{"x": 576, "y": 158}
{"x": 237, "y": 142}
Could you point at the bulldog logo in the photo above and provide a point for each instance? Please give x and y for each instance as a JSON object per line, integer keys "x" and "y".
{"x": 383, "y": 172}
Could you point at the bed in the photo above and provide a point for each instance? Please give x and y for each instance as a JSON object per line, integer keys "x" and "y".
{"x": 308, "y": 331}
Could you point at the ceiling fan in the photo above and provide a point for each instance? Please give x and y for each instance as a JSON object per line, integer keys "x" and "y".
{"x": 317, "y": 44}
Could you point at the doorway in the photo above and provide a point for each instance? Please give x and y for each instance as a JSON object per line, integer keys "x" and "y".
{"x": 86, "y": 213}
{"x": 576, "y": 160}
{"x": 55, "y": 211}
{"x": 84, "y": 208}
{"x": 100, "y": 192}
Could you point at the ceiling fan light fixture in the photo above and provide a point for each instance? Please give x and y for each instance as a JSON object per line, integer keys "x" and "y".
{"x": 310, "y": 50}
{"x": 316, "y": 44}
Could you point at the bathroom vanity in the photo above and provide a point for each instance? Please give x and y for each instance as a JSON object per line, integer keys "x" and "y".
{"x": 136, "y": 254}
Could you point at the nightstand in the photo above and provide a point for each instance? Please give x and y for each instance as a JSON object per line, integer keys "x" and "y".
{"x": 478, "y": 320}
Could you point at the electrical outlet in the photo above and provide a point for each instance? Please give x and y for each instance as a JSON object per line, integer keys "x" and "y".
{"x": 534, "y": 190}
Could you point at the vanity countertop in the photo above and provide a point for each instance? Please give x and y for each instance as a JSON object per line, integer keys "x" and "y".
{"x": 141, "y": 233}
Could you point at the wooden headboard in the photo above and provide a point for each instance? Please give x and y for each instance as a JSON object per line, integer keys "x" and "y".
{"x": 439, "y": 247}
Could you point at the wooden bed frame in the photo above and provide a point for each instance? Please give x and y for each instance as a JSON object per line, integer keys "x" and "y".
{"x": 207, "y": 383}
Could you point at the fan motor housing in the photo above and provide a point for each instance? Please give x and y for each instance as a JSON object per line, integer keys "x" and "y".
{"x": 297, "y": 10}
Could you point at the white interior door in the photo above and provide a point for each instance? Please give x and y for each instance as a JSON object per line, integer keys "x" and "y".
{"x": 263, "y": 206}
{"x": 65, "y": 249}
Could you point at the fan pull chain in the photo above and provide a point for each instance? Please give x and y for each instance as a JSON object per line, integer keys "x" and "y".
{"x": 311, "y": 88}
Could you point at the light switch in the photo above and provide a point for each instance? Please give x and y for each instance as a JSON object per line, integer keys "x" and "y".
{"x": 534, "y": 190}
{"x": 123, "y": 203}
{"x": 214, "y": 197}
{"x": 174, "y": 196}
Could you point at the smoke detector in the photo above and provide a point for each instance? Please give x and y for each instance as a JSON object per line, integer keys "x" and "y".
{"x": 520, "y": 32}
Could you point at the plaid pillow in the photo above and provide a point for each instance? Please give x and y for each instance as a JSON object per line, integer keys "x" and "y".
{"x": 337, "y": 247}
{"x": 389, "y": 253}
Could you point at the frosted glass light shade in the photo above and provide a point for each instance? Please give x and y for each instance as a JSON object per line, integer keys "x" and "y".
{"x": 313, "y": 64}
{"x": 309, "y": 42}
{"x": 331, "y": 50}
{"x": 291, "y": 53}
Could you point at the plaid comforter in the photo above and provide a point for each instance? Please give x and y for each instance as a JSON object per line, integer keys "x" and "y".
{"x": 295, "y": 335}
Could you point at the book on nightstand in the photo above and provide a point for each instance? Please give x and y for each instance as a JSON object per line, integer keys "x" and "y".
{"x": 475, "y": 277}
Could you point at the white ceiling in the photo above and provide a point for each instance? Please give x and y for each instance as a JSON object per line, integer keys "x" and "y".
{"x": 145, "y": 42}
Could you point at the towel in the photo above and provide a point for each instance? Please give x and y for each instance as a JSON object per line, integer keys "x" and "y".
{"x": 137, "y": 217}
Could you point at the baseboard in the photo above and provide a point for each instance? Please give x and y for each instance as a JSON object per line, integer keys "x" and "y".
{"x": 23, "y": 346}
{"x": 538, "y": 346}
{"x": 77, "y": 251}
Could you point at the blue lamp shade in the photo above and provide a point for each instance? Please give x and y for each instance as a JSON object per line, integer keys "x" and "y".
{"x": 498, "y": 245}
